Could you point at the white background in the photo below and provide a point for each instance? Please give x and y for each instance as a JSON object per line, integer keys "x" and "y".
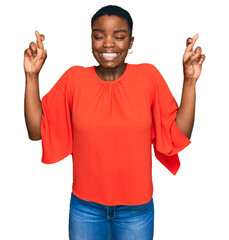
{"x": 35, "y": 197}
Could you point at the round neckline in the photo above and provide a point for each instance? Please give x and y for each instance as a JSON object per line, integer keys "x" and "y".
{"x": 113, "y": 81}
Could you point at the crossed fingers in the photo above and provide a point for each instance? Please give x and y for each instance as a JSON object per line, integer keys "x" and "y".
{"x": 191, "y": 55}
{"x": 40, "y": 38}
{"x": 34, "y": 47}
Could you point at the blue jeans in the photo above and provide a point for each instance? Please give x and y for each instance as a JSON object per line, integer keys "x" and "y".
{"x": 94, "y": 221}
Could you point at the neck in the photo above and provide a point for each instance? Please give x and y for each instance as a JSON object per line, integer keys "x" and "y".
{"x": 110, "y": 74}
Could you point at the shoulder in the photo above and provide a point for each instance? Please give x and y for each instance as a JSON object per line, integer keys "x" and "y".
{"x": 142, "y": 66}
{"x": 75, "y": 74}
{"x": 76, "y": 70}
{"x": 149, "y": 74}
{"x": 146, "y": 69}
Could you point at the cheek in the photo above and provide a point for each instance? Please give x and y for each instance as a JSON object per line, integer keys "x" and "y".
{"x": 97, "y": 43}
{"x": 124, "y": 45}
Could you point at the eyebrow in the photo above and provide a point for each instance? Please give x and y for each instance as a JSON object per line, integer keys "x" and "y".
{"x": 116, "y": 31}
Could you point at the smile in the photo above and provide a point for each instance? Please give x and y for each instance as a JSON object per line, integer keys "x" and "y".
{"x": 109, "y": 56}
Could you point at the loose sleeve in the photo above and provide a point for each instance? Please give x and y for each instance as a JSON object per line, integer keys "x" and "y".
{"x": 167, "y": 139}
{"x": 56, "y": 129}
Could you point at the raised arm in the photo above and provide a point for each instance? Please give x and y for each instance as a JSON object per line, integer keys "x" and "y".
{"x": 192, "y": 66}
{"x": 34, "y": 58}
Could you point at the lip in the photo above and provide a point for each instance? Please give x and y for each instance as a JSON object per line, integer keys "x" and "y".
{"x": 109, "y": 57}
{"x": 109, "y": 52}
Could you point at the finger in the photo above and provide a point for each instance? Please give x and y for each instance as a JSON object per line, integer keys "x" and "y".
{"x": 33, "y": 48}
{"x": 39, "y": 40}
{"x": 202, "y": 58}
{"x": 28, "y": 52}
{"x": 198, "y": 50}
{"x": 191, "y": 59}
{"x": 42, "y": 37}
{"x": 189, "y": 40}
{"x": 191, "y": 43}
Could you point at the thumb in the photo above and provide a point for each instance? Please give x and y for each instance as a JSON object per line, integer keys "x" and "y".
{"x": 45, "y": 53}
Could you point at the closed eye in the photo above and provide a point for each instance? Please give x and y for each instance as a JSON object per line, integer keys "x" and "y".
{"x": 119, "y": 37}
{"x": 98, "y": 37}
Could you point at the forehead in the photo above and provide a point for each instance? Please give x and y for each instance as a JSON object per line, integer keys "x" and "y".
{"x": 111, "y": 22}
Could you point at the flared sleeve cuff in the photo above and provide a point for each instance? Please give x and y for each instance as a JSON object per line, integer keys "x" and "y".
{"x": 166, "y": 151}
{"x": 56, "y": 129}
{"x": 167, "y": 138}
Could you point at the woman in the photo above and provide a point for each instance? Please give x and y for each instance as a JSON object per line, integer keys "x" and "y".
{"x": 107, "y": 117}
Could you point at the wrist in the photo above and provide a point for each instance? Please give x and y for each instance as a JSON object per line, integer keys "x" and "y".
{"x": 189, "y": 83}
{"x": 31, "y": 76}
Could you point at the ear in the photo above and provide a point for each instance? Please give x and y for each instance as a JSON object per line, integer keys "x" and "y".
{"x": 131, "y": 42}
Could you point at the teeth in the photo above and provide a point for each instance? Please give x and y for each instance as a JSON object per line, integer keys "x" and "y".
{"x": 109, "y": 54}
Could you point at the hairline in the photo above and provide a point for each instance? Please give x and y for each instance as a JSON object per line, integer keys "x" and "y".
{"x": 130, "y": 34}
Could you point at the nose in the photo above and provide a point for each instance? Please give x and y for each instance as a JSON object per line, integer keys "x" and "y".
{"x": 108, "y": 42}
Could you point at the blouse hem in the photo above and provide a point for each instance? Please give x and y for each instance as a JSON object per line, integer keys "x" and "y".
{"x": 56, "y": 160}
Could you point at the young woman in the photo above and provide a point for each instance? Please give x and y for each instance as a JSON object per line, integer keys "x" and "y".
{"x": 107, "y": 117}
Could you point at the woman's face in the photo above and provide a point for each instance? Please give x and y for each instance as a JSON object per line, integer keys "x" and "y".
{"x": 110, "y": 40}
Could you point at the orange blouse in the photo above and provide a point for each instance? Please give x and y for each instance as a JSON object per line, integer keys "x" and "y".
{"x": 108, "y": 127}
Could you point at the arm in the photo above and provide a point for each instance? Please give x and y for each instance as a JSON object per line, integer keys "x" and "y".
{"x": 192, "y": 65}
{"x": 34, "y": 58}
{"x": 33, "y": 109}
{"x": 186, "y": 111}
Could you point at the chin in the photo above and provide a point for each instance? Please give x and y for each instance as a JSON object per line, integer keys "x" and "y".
{"x": 110, "y": 64}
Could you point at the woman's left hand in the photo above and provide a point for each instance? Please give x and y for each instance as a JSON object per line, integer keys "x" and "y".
{"x": 192, "y": 60}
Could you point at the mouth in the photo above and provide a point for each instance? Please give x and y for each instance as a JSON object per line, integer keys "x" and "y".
{"x": 109, "y": 56}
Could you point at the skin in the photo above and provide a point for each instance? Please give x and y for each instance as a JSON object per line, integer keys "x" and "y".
{"x": 34, "y": 58}
{"x": 106, "y": 39}
{"x": 108, "y": 36}
{"x": 192, "y": 67}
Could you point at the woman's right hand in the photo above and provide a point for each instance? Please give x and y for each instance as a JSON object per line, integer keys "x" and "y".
{"x": 35, "y": 55}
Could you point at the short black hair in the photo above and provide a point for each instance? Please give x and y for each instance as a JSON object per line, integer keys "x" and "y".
{"x": 114, "y": 10}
